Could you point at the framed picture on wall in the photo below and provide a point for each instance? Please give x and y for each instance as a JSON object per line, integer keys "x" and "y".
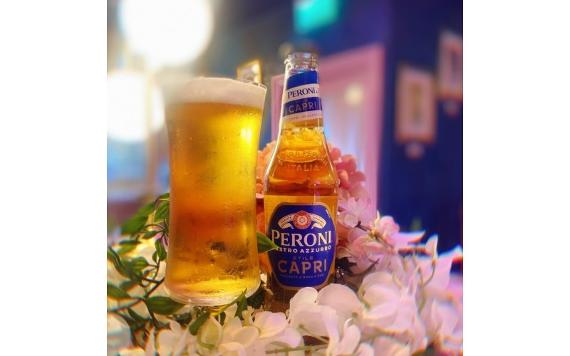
{"x": 415, "y": 106}
{"x": 450, "y": 66}
{"x": 351, "y": 87}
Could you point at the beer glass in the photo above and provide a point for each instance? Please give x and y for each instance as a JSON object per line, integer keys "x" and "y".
{"x": 213, "y": 130}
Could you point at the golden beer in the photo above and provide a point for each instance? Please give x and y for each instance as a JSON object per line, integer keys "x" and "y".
{"x": 300, "y": 199}
{"x": 213, "y": 130}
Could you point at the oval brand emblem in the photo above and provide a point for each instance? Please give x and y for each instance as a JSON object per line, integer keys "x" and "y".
{"x": 302, "y": 220}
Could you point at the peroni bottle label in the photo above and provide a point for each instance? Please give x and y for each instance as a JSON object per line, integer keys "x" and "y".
{"x": 306, "y": 236}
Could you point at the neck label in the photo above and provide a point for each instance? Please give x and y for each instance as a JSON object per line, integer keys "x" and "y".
{"x": 301, "y": 97}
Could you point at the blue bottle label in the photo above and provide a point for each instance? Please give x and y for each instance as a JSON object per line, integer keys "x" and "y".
{"x": 301, "y": 97}
{"x": 306, "y": 236}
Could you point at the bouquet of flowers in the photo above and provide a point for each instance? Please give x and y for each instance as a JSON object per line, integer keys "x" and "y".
{"x": 391, "y": 294}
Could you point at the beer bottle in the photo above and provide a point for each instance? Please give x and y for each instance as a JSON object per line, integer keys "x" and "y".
{"x": 300, "y": 188}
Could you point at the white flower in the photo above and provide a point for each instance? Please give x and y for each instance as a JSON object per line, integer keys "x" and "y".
{"x": 269, "y": 324}
{"x": 392, "y": 309}
{"x": 390, "y": 347}
{"x": 236, "y": 338}
{"x": 289, "y": 337}
{"x": 269, "y": 330}
{"x": 364, "y": 349}
{"x": 247, "y": 315}
{"x": 209, "y": 336}
{"x": 174, "y": 341}
{"x": 329, "y": 313}
{"x": 347, "y": 344}
{"x": 309, "y": 317}
{"x": 439, "y": 282}
{"x": 444, "y": 325}
{"x": 342, "y": 299}
{"x": 431, "y": 246}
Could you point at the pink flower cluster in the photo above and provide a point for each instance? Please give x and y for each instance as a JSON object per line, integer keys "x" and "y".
{"x": 350, "y": 178}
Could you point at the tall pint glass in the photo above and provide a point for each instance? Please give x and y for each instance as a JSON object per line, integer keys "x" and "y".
{"x": 213, "y": 130}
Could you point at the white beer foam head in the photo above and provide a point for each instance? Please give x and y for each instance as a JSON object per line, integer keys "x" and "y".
{"x": 222, "y": 90}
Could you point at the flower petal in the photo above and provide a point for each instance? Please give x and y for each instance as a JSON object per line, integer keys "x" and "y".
{"x": 431, "y": 245}
{"x": 381, "y": 315}
{"x": 349, "y": 341}
{"x": 304, "y": 296}
{"x": 210, "y": 333}
{"x": 246, "y": 335}
{"x": 381, "y": 293}
{"x": 364, "y": 350}
{"x": 389, "y": 346}
{"x": 270, "y": 324}
{"x": 403, "y": 239}
{"x": 319, "y": 320}
{"x": 232, "y": 349}
{"x": 381, "y": 277}
{"x": 342, "y": 299}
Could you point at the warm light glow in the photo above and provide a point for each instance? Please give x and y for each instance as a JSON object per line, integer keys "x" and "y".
{"x": 354, "y": 94}
{"x": 128, "y": 106}
{"x": 167, "y": 32}
{"x": 246, "y": 134}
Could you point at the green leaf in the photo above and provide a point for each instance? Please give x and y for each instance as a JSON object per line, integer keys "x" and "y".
{"x": 116, "y": 292}
{"x": 160, "y": 250}
{"x": 264, "y": 243}
{"x": 135, "y": 315}
{"x": 162, "y": 305}
{"x": 241, "y": 303}
{"x": 129, "y": 242}
{"x": 125, "y": 268}
{"x": 117, "y": 263}
{"x": 133, "y": 225}
{"x": 126, "y": 285}
{"x": 202, "y": 316}
{"x": 134, "y": 324}
{"x": 183, "y": 318}
{"x": 138, "y": 264}
{"x": 147, "y": 235}
{"x": 165, "y": 196}
{"x": 257, "y": 298}
{"x": 137, "y": 222}
{"x": 162, "y": 211}
{"x": 127, "y": 246}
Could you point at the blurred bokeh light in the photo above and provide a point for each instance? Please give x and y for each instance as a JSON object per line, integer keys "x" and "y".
{"x": 135, "y": 104}
{"x": 166, "y": 32}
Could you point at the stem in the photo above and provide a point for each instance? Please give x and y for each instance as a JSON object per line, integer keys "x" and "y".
{"x": 321, "y": 339}
{"x": 138, "y": 299}
{"x": 362, "y": 227}
{"x": 154, "y": 288}
{"x": 152, "y": 280}
{"x": 423, "y": 298}
{"x": 432, "y": 273}
{"x": 298, "y": 348}
{"x": 126, "y": 306}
